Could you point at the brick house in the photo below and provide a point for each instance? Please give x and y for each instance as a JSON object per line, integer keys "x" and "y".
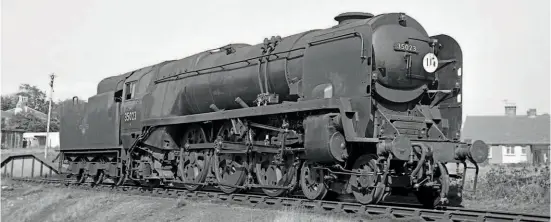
{"x": 512, "y": 138}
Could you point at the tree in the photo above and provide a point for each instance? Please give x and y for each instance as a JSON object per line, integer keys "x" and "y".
{"x": 8, "y": 101}
{"x": 36, "y": 97}
{"x": 31, "y": 123}
{"x": 27, "y": 121}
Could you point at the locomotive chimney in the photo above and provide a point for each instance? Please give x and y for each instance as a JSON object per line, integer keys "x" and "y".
{"x": 510, "y": 110}
{"x": 348, "y": 17}
{"x": 531, "y": 113}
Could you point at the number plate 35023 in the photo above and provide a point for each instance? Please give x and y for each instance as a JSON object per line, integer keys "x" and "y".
{"x": 129, "y": 116}
{"x": 405, "y": 47}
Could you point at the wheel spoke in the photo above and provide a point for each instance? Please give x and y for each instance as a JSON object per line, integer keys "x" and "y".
{"x": 229, "y": 168}
{"x": 193, "y": 163}
{"x": 270, "y": 174}
{"x": 311, "y": 186}
{"x": 430, "y": 197}
{"x": 365, "y": 187}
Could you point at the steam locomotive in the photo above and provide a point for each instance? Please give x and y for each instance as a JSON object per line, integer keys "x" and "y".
{"x": 366, "y": 108}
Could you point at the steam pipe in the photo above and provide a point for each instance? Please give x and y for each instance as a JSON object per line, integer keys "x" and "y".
{"x": 266, "y": 75}
{"x": 424, "y": 153}
{"x": 260, "y": 76}
{"x": 445, "y": 183}
{"x": 214, "y": 107}
{"x": 380, "y": 190}
{"x": 241, "y": 102}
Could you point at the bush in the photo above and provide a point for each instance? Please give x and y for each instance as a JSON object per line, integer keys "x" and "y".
{"x": 519, "y": 183}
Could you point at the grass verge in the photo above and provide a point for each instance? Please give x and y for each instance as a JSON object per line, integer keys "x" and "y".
{"x": 511, "y": 187}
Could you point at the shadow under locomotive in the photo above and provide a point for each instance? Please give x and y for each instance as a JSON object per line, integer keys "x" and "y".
{"x": 368, "y": 108}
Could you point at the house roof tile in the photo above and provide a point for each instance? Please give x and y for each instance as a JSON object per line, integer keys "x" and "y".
{"x": 507, "y": 129}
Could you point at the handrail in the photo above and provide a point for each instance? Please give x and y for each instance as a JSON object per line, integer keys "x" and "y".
{"x": 198, "y": 71}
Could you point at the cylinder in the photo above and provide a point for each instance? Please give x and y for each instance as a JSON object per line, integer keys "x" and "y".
{"x": 322, "y": 141}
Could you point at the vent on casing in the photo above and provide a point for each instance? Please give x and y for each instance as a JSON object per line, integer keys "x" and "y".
{"x": 352, "y": 16}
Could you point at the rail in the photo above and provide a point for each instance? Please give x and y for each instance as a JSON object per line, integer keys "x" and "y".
{"x": 449, "y": 214}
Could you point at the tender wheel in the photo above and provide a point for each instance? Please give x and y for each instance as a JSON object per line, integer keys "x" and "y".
{"x": 67, "y": 180}
{"x": 120, "y": 180}
{"x": 365, "y": 188}
{"x": 430, "y": 197}
{"x": 271, "y": 174}
{"x": 311, "y": 182}
{"x": 194, "y": 165}
{"x": 123, "y": 176}
{"x": 81, "y": 177}
{"x": 230, "y": 169}
{"x": 98, "y": 178}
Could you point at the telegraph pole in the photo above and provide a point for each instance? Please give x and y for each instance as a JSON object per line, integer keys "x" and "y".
{"x": 52, "y": 77}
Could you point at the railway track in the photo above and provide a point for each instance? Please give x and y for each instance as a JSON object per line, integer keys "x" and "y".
{"x": 392, "y": 210}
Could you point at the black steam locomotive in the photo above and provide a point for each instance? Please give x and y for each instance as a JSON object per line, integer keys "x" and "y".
{"x": 369, "y": 107}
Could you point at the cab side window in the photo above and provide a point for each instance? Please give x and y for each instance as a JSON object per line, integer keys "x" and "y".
{"x": 130, "y": 90}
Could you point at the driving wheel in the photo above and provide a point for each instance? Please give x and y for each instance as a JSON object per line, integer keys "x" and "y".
{"x": 230, "y": 169}
{"x": 194, "y": 164}
{"x": 270, "y": 174}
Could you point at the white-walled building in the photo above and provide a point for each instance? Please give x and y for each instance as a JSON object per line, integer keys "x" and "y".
{"x": 38, "y": 139}
{"x": 512, "y": 138}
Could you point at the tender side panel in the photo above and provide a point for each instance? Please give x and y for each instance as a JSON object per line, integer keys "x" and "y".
{"x": 98, "y": 126}
{"x": 71, "y": 125}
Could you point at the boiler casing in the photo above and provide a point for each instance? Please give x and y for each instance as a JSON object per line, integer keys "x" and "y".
{"x": 177, "y": 91}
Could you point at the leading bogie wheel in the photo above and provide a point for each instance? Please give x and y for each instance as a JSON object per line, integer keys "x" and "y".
{"x": 312, "y": 182}
{"x": 365, "y": 184}
{"x": 430, "y": 197}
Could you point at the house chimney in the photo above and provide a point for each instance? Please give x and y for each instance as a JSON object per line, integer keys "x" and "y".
{"x": 531, "y": 113}
{"x": 510, "y": 110}
{"x": 21, "y": 104}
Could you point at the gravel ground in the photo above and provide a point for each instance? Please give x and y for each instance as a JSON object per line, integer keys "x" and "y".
{"x": 24, "y": 202}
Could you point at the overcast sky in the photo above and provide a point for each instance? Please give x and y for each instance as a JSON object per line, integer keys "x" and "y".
{"x": 505, "y": 43}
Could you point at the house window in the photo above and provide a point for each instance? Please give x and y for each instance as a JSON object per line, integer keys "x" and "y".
{"x": 490, "y": 152}
{"x": 509, "y": 150}
{"x": 523, "y": 151}
{"x": 130, "y": 90}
